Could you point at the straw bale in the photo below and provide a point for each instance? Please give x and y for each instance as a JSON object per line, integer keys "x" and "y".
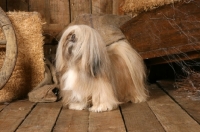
{"x": 136, "y": 6}
{"x": 29, "y": 68}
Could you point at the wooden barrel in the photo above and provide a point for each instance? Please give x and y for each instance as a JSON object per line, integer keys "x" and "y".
{"x": 11, "y": 49}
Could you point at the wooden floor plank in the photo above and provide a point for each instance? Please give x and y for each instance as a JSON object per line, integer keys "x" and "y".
{"x": 110, "y": 121}
{"x": 2, "y": 106}
{"x": 171, "y": 115}
{"x": 42, "y": 118}
{"x": 12, "y": 115}
{"x": 140, "y": 118}
{"x": 72, "y": 121}
{"x": 185, "y": 99}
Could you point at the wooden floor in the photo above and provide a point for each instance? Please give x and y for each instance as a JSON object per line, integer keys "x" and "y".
{"x": 166, "y": 110}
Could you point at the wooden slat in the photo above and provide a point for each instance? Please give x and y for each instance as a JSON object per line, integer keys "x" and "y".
{"x": 72, "y": 121}
{"x": 13, "y": 115}
{"x": 172, "y": 117}
{"x": 42, "y": 118}
{"x": 17, "y": 5}
{"x": 106, "y": 122}
{"x": 140, "y": 118}
{"x": 40, "y": 6}
{"x": 117, "y": 7}
{"x": 3, "y": 4}
{"x": 102, "y": 6}
{"x": 183, "y": 98}
{"x": 79, "y": 7}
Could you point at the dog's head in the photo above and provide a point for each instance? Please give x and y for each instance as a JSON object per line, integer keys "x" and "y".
{"x": 81, "y": 46}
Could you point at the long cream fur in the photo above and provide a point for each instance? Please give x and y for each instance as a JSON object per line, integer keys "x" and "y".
{"x": 96, "y": 75}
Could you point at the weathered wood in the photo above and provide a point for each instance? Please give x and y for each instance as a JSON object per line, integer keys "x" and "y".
{"x": 117, "y": 5}
{"x": 3, "y": 4}
{"x": 12, "y": 116}
{"x": 2, "y": 106}
{"x": 102, "y": 6}
{"x": 17, "y": 5}
{"x": 55, "y": 14}
{"x": 11, "y": 49}
{"x": 172, "y": 117}
{"x": 42, "y": 118}
{"x": 110, "y": 121}
{"x": 185, "y": 99}
{"x": 140, "y": 118}
{"x": 72, "y": 121}
{"x": 3, "y": 42}
{"x": 173, "y": 58}
{"x": 171, "y": 29}
{"x": 79, "y": 7}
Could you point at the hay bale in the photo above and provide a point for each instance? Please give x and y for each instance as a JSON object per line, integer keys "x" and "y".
{"x": 137, "y": 6}
{"x": 29, "y": 68}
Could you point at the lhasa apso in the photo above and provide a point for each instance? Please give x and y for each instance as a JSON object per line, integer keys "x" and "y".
{"x": 94, "y": 74}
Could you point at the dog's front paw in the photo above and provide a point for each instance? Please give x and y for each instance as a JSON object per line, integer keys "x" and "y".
{"x": 77, "y": 106}
{"x": 102, "y": 107}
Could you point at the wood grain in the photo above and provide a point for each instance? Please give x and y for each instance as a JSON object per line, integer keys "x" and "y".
{"x": 11, "y": 49}
{"x": 110, "y": 121}
{"x": 42, "y": 118}
{"x": 102, "y": 6}
{"x": 172, "y": 117}
{"x": 171, "y": 29}
{"x": 72, "y": 121}
{"x": 140, "y": 118}
{"x": 185, "y": 99}
{"x": 79, "y": 7}
{"x": 12, "y": 116}
{"x": 17, "y": 5}
{"x": 117, "y": 7}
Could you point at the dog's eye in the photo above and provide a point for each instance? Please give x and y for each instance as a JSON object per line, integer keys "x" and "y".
{"x": 73, "y": 38}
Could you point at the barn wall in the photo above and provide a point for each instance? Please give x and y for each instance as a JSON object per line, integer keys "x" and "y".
{"x": 57, "y": 14}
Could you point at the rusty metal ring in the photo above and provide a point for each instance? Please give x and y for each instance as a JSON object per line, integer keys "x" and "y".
{"x": 11, "y": 49}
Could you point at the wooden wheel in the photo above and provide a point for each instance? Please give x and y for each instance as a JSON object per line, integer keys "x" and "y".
{"x": 11, "y": 49}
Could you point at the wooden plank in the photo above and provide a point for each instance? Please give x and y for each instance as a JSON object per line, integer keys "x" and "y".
{"x": 55, "y": 14}
{"x": 40, "y": 6}
{"x": 117, "y": 7}
{"x": 172, "y": 117}
{"x": 72, "y": 121}
{"x": 2, "y": 106}
{"x": 102, "y": 6}
{"x": 3, "y": 4}
{"x": 187, "y": 100}
{"x": 42, "y": 118}
{"x": 12, "y": 116}
{"x": 171, "y": 29}
{"x": 140, "y": 118}
{"x": 110, "y": 121}
{"x": 79, "y": 7}
{"x": 17, "y": 5}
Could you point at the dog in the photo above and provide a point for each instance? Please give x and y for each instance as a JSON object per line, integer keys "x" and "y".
{"x": 93, "y": 74}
